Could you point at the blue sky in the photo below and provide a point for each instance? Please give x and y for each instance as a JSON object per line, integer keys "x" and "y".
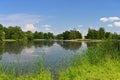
{"x": 59, "y": 15}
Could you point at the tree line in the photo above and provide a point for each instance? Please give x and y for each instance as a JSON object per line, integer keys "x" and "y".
{"x": 68, "y": 35}
{"x": 101, "y": 34}
{"x": 16, "y": 33}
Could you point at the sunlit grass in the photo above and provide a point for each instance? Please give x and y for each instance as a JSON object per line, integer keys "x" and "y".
{"x": 44, "y": 75}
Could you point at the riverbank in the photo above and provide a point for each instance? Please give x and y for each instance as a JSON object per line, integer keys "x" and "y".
{"x": 75, "y": 40}
{"x": 9, "y": 40}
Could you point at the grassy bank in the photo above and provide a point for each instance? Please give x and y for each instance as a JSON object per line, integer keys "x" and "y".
{"x": 44, "y": 75}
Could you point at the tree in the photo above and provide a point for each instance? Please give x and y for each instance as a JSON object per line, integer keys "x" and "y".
{"x": 108, "y": 35}
{"x": 92, "y": 34}
{"x": 41, "y": 35}
{"x": 1, "y": 27}
{"x": 14, "y": 33}
{"x": 74, "y": 34}
{"x": 29, "y": 35}
{"x": 59, "y": 36}
{"x": 67, "y": 35}
{"x": 48, "y": 35}
{"x": 101, "y": 33}
{"x": 2, "y": 33}
{"x": 115, "y": 36}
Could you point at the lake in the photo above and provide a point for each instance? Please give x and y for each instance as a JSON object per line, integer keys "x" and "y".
{"x": 54, "y": 54}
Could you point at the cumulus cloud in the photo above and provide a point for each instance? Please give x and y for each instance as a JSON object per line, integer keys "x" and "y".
{"x": 25, "y": 21}
{"x": 117, "y": 24}
{"x": 47, "y": 27}
{"x": 110, "y": 25}
{"x": 80, "y": 26}
{"x": 19, "y": 19}
{"x": 114, "y": 18}
{"x": 30, "y": 27}
{"x": 111, "y": 19}
{"x": 104, "y": 19}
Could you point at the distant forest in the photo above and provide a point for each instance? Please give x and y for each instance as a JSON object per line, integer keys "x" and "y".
{"x": 16, "y": 33}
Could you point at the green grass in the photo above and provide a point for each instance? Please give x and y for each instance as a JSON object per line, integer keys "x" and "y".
{"x": 44, "y": 75}
{"x": 101, "y": 62}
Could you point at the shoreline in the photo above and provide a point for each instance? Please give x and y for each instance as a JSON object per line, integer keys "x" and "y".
{"x": 76, "y": 40}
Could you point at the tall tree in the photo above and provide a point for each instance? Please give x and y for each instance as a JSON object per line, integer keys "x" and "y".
{"x": 67, "y": 35}
{"x": 108, "y": 35}
{"x": 29, "y": 35}
{"x": 101, "y": 33}
{"x": 2, "y": 33}
{"x": 92, "y": 34}
{"x": 38, "y": 35}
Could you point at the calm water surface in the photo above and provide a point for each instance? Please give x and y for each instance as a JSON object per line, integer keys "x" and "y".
{"x": 56, "y": 54}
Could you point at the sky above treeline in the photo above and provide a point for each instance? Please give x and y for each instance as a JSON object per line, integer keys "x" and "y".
{"x": 59, "y": 15}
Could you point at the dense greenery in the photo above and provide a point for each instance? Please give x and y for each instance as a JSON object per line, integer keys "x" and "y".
{"x": 16, "y": 33}
{"x": 101, "y": 34}
{"x": 67, "y": 35}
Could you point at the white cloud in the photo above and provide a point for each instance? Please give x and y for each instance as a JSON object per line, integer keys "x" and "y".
{"x": 80, "y": 26}
{"x": 111, "y": 19}
{"x": 110, "y": 25}
{"x": 104, "y": 19}
{"x": 25, "y": 21}
{"x": 19, "y": 19}
{"x": 30, "y": 27}
{"x": 47, "y": 27}
{"x": 117, "y": 24}
{"x": 114, "y": 18}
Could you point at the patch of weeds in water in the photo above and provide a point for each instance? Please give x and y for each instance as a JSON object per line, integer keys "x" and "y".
{"x": 17, "y": 71}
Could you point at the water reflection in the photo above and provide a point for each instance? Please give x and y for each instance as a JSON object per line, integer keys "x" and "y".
{"x": 56, "y": 54}
{"x": 2, "y": 48}
{"x": 26, "y": 51}
{"x": 69, "y": 45}
{"x": 18, "y": 47}
{"x": 92, "y": 44}
{"x": 43, "y": 43}
{"x": 14, "y": 47}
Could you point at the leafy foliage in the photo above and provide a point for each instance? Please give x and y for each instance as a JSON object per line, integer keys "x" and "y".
{"x": 68, "y": 35}
{"x": 101, "y": 34}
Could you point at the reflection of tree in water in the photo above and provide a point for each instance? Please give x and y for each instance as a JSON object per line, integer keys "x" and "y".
{"x": 69, "y": 45}
{"x": 29, "y": 44}
{"x": 2, "y": 49}
{"x": 43, "y": 43}
{"x": 14, "y": 47}
{"x": 91, "y": 44}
